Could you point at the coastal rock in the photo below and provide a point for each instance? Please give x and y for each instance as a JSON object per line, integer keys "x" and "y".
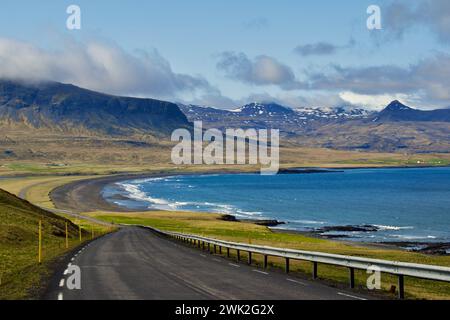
{"x": 349, "y": 228}
{"x": 268, "y": 223}
{"x": 228, "y": 217}
{"x": 430, "y": 248}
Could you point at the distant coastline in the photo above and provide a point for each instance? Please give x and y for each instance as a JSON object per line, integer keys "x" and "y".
{"x": 69, "y": 196}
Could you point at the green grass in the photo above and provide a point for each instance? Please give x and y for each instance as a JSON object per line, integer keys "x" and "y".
{"x": 20, "y": 272}
{"x": 210, "y": 226}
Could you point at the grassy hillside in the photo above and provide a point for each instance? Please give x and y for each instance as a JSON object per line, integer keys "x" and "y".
{"x": 20, "y": 273}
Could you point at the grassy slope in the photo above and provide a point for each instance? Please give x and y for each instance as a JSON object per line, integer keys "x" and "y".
{"x": 36, "y": 189}
{"x": 209, "y": 225}
{"x": 108, "y": 159}
{"x": 19, "y": 269}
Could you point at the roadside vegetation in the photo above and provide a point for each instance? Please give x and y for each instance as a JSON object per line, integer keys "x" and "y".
{"x": 212, "y": 225}
{"x": 21, "y": 276}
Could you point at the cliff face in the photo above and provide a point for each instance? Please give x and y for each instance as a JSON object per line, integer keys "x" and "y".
{"x": 63, "y": 107}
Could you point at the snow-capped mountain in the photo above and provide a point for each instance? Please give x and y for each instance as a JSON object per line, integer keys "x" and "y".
{"x": 270, "y": 115}
{"x": 396, "y": 128}
{"x": 263, "y": 109}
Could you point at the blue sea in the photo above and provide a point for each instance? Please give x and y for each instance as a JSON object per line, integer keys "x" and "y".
{"x": 411, "y": 205}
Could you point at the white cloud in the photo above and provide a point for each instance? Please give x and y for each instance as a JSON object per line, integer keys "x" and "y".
{"x": 262, "y": 70}
{"x": 97, "y": 65}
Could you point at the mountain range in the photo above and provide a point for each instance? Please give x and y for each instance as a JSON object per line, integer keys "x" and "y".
{"x": 270, "y": 115}
{"x": 396, "y": 128}
{"x": 277, "y": 116}
{"x": 66, "y": 110}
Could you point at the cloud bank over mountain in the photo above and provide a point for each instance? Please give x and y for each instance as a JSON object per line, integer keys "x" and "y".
{"x": 98, "y": 65}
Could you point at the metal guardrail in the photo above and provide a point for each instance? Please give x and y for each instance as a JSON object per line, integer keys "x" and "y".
{"x": 401, "y": 269}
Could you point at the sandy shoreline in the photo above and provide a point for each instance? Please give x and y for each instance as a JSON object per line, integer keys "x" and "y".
{"x": 86, "y": 195}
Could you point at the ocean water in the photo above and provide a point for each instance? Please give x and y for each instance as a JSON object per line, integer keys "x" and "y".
{"x": 405, "y": 204}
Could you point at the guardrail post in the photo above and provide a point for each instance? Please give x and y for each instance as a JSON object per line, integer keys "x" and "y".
{"x": 40, "y": 242}
{"x": 351, "y": 277}
{"x": 314, "y": 270}
{"x": 401, "y": 286}
{"x": 286, "y": 267}
{"x": 238, "y": 253}
{"x": 249, "y": 258}
{"x": 209, "y": 247}
{"x": 203, "y": 245}
{"x": 220, "y": 249}
{"x": 67, "y": 236}
{"x": 228, "y": 252}
{"x": 265, "y": 262}
{"x": 215, "y": 249}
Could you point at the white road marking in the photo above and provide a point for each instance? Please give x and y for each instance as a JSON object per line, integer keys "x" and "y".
{"x": 234, "y": 265}
{"x": 60, "y": 296}
{"x": 259, "y": 271}
{"x": 69, "y": 265}
{"x": 295, "y": 281}
{"x": 66, "y": 271}
{"x": 61, "y": 283}
{"x": 203, "y": 255}
{"x": 217, "y": 260}
{"x": 350, "y": 296}
{"x": 72, "y": 259}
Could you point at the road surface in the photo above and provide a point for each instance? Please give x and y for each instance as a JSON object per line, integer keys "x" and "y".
{"x": 134, "y": 263}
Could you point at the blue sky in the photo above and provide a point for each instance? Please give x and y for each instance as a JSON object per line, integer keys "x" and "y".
{"x": 220, "y": 52}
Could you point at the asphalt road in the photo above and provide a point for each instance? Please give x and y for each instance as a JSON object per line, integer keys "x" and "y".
{"x": 134, "y": 263}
